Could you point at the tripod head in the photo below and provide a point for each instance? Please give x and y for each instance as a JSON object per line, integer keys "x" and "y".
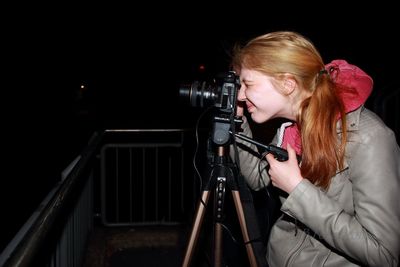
{"x": 223, "y": 127}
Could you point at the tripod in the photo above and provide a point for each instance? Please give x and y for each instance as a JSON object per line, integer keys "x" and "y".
{"x": 224, "y": 175}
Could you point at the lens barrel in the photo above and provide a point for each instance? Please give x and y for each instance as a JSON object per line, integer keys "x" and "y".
{"x": 199, "y": 94}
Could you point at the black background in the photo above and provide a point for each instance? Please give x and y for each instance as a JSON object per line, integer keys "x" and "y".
{"x": 132, "y": 60}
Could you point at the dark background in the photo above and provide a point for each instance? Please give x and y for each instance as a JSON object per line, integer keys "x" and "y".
{"x": 132, "y": 60}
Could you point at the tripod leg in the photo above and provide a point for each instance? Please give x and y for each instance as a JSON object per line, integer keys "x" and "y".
{"x": 243, "y": 226}
{"x": 218, "y": 245}
{"x": 196, "y": 228}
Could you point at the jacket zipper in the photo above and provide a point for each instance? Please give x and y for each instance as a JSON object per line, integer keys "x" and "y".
{"x": 296, "y": 249}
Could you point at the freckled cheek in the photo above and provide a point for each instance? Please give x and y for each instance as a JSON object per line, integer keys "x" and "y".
{"x": 254, "y": 96}
{"x": 263, "y": 102}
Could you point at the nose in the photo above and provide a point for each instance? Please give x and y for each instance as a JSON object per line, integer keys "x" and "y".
{"x": 241, "y": 95}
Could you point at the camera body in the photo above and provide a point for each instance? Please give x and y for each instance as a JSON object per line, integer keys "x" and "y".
{"x": 220, "y": 93}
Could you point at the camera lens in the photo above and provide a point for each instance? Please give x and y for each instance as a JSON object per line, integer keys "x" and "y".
{"x": 199, "y": 94}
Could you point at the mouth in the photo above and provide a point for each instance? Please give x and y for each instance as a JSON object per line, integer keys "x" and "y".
{"x": 250, "y": 107}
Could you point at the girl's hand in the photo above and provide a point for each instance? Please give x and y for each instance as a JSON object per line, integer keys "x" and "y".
{"x": 285, "y": 175}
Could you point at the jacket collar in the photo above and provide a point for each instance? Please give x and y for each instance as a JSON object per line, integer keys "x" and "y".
{"x": 352, "y": 120}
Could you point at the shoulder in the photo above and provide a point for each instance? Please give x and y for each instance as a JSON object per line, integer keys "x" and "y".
{"x": 367, "y": 134}
{"x": 366, "y": 124}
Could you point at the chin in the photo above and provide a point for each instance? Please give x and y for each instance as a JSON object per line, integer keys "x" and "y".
{"x": 258, "y": 119}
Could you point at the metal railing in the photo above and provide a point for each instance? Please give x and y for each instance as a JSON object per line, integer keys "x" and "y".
{"x": 144, "y": 182}
{"x": 56, "y": 232}
{"x": 126, "y": 177}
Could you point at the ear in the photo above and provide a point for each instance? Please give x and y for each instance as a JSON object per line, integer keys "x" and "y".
{"x": 289, "y": 84}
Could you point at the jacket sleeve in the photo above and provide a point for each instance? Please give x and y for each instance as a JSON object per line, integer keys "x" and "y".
{"x": 371, "y": 234}
{"x": 252, "y": 167}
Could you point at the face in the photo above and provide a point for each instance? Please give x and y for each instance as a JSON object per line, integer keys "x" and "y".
{"x": 262, "y": 98}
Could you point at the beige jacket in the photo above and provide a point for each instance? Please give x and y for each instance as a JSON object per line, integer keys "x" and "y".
{"x": 357, "y": 221}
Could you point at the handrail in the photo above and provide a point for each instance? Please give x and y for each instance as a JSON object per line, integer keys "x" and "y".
{"x": 29, "y": 246}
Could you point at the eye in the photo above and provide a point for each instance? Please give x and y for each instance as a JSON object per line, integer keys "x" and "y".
{"x": 248, "y": 85}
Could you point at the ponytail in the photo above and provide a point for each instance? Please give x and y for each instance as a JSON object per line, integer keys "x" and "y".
{"x": 322, "y": 153}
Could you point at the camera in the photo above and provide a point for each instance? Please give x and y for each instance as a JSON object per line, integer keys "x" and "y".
{"x": 221, "y": 92}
